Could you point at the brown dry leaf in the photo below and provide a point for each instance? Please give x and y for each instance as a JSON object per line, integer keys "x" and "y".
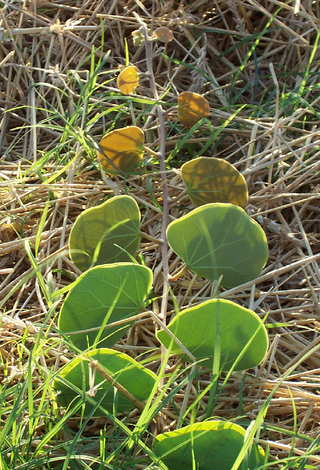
{"x": 163, "y": 34}
{"x": 10, "y": 231}
{"x": 123, "y": 147}
{"x": 191, "y": 108}
{"x": 128, "y": 80}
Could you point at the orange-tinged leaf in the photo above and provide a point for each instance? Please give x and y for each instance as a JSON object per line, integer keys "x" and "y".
{"x": 210, "y": 179}
{"x": 191, "y": 108}
{"x": 123, "y": 147}
{"x": 128, "y": 80}
{"x": 163, "y": 34}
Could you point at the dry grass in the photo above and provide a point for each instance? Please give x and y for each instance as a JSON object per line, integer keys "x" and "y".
{"x": 274, "y": 141}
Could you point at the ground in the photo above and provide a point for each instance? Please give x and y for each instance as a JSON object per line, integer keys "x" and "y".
{"x": 257, "y": 64}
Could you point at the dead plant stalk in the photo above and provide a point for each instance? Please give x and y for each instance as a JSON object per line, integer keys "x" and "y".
{"x": 161, "y": 156}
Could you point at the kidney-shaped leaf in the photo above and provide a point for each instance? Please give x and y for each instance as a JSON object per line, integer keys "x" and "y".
{"x": 136, "y": 379}
{"x": 128, "y": 80}
{"x": 220, "y": 239}
{"x": 191, "y": 108}
{"x": 240, "y": 332}
{"x": 122, "y": 149}
{"x": 213, "y": 445}
{"x": 210, "y": 179}
{"x": 103, "y": 295}
{"x": 100, "y": 234}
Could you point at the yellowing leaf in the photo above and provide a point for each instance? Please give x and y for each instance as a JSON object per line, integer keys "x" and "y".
{"x": 210, "y": 179}
{"x": 122, "y": 147}
{"x": 163, "y": 34}
{"x": 191, "y": 108}
{"x": 128, "y": 80}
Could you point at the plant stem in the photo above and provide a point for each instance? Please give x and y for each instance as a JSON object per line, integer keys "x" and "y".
{"x": 95, "y": 364}
{"x": 161, "y": 156}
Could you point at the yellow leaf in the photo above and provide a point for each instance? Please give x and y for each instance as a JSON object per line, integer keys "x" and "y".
{"x": 128, "y": 80}
{"x": 210, "y": 179}
{"x": 191, "y": 108}
{"x": 123, "y": 147}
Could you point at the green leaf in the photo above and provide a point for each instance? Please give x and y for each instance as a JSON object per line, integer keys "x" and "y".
{"x": 210, "y": 179}
{"x": 213, "y": 445}
{"x": 103, "y": 295}
{"x": 99, "y": 232}
{"x": 241, "y": 333}
{"x": 220, "y": 239}
{"x": 136, "y": 379}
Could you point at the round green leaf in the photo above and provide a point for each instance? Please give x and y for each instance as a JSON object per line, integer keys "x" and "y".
{"x": 103, "y": 295}
{"x": 136, "y": 379}
{"x": 101, "y": 234}
{"x": 212, "y": 445}
{"x": 220, "y": 239}
{"x": 240, "y": 331}
{"x": 210, "y": 179}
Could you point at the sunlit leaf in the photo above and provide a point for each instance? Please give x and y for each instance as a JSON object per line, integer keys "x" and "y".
{"x": 122, "y": 147}
{"x": 128, "y": 80}
{"x": 104, "y": 294}
{"x": 220, "y": 239}
{"x": 163, "y": 34}
{"x": 191, "y": 108}
{"x": 237, "y": 328}
{"x": 210, "y": 179}
{"x": 213, "y": 445}
{"x": 136, "y": 379}
{"x": 102, "y": 231}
